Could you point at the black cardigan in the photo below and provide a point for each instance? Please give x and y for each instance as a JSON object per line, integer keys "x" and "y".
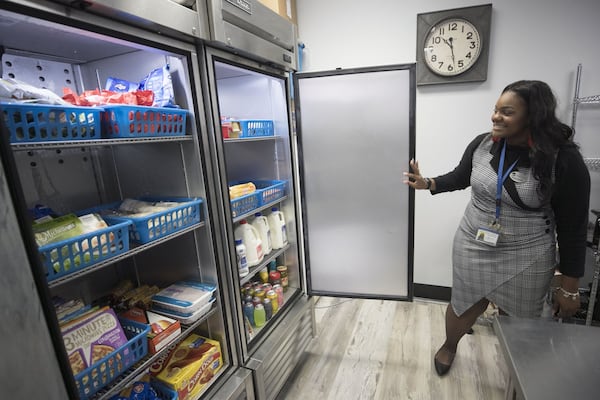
{"x": 570, "y": 198}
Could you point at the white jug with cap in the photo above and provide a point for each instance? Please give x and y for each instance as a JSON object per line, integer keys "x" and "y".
{"x": 261, "y": 224}
{"x": 251, "y": 239}
{"x": 278, "y": 231}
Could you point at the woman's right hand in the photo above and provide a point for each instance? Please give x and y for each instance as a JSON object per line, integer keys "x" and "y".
{"x": 415, "y": 179}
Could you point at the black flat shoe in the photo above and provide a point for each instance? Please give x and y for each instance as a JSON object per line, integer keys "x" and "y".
{"x": 441, "y": 368}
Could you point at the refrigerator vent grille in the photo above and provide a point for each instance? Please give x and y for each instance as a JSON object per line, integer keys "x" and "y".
{"x": 279, "y": 367}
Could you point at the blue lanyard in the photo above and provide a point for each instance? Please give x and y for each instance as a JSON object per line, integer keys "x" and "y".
{"x": 501, "y": 178}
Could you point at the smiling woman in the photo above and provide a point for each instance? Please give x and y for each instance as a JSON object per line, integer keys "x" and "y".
{"x": 530, "y": 189}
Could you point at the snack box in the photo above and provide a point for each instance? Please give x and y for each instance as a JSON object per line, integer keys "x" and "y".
{"x": 189, "y": 366}
{"x": 163, "y": 330}
{"x": 92, "y": 337}
{"x": 184, "y": 297}
{"x": 185, "y": 318}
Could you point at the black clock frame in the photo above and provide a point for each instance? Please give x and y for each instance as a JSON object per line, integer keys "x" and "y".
{"x": 480, "y": 17}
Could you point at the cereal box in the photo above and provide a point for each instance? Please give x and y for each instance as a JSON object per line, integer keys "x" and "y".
{"x": 90, "y": 339}
{"x": 189, "y": 366}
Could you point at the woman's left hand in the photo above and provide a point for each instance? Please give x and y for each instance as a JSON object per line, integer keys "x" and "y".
{"x": 564, "y": 307}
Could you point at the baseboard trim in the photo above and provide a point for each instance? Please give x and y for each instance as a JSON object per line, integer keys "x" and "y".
{"x": 432, "y": 291}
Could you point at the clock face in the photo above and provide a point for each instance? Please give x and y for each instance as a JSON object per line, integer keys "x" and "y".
{"x": 451, "y": 47}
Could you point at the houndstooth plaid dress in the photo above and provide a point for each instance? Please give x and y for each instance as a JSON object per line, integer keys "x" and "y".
{"x": 515, "y": 274}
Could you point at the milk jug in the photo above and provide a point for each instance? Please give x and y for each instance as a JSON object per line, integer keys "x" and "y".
{"x": 240, "y": 250}
{"x": 277, "y": 224}
{"x": 251, "y": 239}
{"x": 262, "y": 226}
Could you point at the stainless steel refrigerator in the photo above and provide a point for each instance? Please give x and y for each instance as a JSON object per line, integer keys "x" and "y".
{"x": 53, "y": 46}
{"x": 340, "y": 141}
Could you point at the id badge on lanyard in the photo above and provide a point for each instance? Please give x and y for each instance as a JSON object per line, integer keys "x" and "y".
{"x": 491, "y": 233}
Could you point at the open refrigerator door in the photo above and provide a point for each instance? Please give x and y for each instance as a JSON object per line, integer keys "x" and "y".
{"x": 107, "y": 145}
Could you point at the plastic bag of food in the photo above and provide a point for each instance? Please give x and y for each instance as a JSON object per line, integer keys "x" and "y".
{"x": 17, "y": 90}
{"x": 120, "y": 85}
{"x": 159, "y": 81}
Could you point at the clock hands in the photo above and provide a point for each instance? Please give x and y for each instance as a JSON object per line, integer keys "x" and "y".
{"x": 449, "y": 43}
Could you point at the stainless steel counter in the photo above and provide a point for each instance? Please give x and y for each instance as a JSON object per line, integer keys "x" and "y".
{"x": 548, "y": 360}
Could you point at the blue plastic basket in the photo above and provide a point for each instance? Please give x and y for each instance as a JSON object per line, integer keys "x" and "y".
{"x": 160, "y": 224}
{"x": 164, "y": 392}
{"x": 256, "y": 127}
{"x": 42, "y": 123}
{"x": 245, "y": 203}
{"x": 267, "y": 191}
{"x": 67, "y": 256}
{"x": 102, "y": 373}
{"x": 125, "y": 121}
{"x": 270, "y": 191}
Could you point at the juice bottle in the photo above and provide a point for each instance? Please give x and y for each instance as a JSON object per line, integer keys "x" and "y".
{"x": 260, "y": 316}
{"x": 249, "y": 312}
{"x": 268, "y": 308}
{"x": 264, "y": 275}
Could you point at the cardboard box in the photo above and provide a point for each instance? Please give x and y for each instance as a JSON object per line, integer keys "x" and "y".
{"x": 92, "y": 337}
{"x": 163, "y": 330}
{"x": 285, "y": 8}
{"x": 190, "y": 366}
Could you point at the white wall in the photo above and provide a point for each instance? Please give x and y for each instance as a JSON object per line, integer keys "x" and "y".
{"x": 530, "y": 39}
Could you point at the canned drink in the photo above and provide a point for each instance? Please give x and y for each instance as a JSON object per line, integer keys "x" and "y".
{"x": 259, "y": 292}
{"x": 271, "y": 295}
{"x": 249, "y": 312}
{"x": 256, "y": 300}
{"x": 266, "y": 287}
{"x": 279, "y": 290}
{"x": 248, "y": 299}
{"x": 268, "y": 305}
{"x": 247, "y": 287}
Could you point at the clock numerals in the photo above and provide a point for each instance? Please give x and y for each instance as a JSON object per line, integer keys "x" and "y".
{"x": 452, "y": 47}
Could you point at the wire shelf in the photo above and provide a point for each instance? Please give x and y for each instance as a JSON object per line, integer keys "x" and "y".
{"x": 589, "y": 100}
{"x": 592, "y": 163}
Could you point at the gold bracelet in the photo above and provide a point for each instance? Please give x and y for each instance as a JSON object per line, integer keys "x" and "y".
{"x": 572, "y": 296}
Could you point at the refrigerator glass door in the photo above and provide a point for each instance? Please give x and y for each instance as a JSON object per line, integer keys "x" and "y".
{"x": 355, "y": 139}
{"x": 251, "y": 113}
{"x": 136, "y": 152}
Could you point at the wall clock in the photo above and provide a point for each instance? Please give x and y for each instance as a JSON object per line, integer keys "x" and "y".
{"x": 453, "y": 45}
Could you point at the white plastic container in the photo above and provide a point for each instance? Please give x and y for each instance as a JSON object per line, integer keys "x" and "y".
{"x": 240, "y": 250}
{"x": 278, "y": 230}
{"x": 261, "y": 224}
{"x": 184, "y": 297}
{"x": 251, "y": 239}
{"x": 185, "y": 318}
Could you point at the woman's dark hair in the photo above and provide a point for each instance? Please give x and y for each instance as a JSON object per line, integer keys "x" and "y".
{"x": 548, "y": 134}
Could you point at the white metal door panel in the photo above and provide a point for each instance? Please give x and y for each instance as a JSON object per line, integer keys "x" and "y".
{"x": 356, "y": 137}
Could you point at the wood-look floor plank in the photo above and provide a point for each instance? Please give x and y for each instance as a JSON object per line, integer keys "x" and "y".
{"x": 382, "y": 350}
